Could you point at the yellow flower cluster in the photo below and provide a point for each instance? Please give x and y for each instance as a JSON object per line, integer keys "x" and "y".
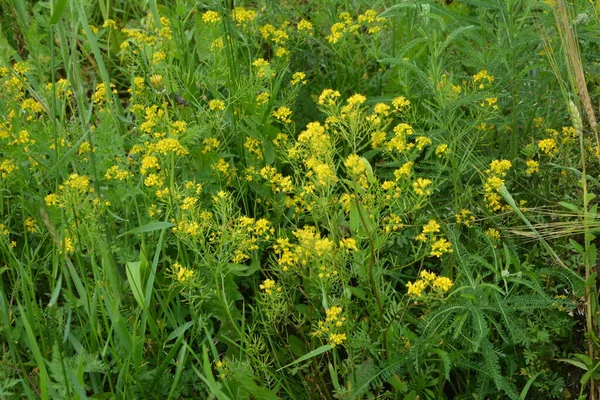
{"x": 167, "y": 146}
{"x": 399, "y": 141}
{"x": 262, "y": 98}
{"x": 369, "y": 20}
{"x": 331, "y": 327}
{"x": 328, "y": 97}
{"x": 7, "y": 167}
{"x": 421, "y": 186}
{"x": 246, "y": 234}
{"x": 548, "y": 146}
{"x": 271, "y": 34}
{"x": 269, "y": 286}
{"x": 392, "y": 223}
{"x": 298, "y": 77}
{"x": 263, "y": 68}
{"x": 181, "y": 274}
{"x": 400, "y": 103}
{"x": 279, "y": 182}
{"x": 482, "y": 78}
{"x": 439, "y": 246}
{"x": 357, "y": 168}
{"x": 243, "y": 16}
{"x": 216, "y": 105}
{"x": 441, "y": 150}
{"x": 100, "y": 96}
{"x": 465, "y": 217}
{"x": 116, "y": 173}
{"x": 61, "y": 88}
{"x": 305, "y": 26}
{"x": 493, "y": 234}
{"x": 495, "y": 179}
{"x": 211, "y": 17}
{"x": 429, "y": 280}
{"x": 532, "y": 167}
{"x": 283, "y": 114}
{"x": 253, "y": 146}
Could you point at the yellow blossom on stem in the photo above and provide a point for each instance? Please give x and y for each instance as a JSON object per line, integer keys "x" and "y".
{"x": 532, "y": 167}
{"x": 283, "y": 114}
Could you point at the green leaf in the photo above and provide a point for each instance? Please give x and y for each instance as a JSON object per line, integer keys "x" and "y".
{"x": 134, "y": 277}
{"x": 358, "y": 292}
{"x": 523, "y": 395}
{"x": 256, "y": 391}
{"x": 569, "y": 206}
{"x": 297, "y": 345}
{"x": 309, "y": 355}
{"x": 55, "y": 292}
{"x": 334, "y": 377}
{"x": 269, "y": 153}
{"x": 180, "y": 330}
{"x": 58, "y": 11}
{"x": 578, "y": 364}
{"x": 151, "y": 227}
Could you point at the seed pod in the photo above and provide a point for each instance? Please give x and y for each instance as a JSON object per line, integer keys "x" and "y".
{"x": 575, "y": 117}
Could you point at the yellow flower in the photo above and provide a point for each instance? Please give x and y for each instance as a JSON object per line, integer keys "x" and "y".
{"x": 67, "y": 246}
{"x": 440, "y": 247}
{"x": 416, "y": 288}
{"x": 441, "y": 150}
{"x": 298, "y": 77}
{"x": 153, "y": 180}
{"x": 427, "y": 276}
{"x": 328, "y": 97}
{"x": 305, "y": 26}
{"x": 431, "y": 227}
{"x": 30, "y": 224}
{"x": 116, "y": 173}
{"x": 181, "y": 273}
{"x": 420, "y": 186}
{"x": 404, "y": 170}
{"x": 216, "y": 105}
{"x": 78, "y": 182}
{"x": 7, "y": 167}
{"x": 269, "y": 285}
{"x": 51, "y": 199}
{"x": 156, "y": 80}
{"x": 483, "y": 78}
{"x": 356, "y": 99}
{"x": 211, "y": 17}
{"x": 465, "y": 217}
{"x": 283, "y": 114}
{"x": 532, "y": 167}
{"x": 377, "y": 139}
{"x": 422, "y": 141}
{"x": 262, "y": 98}
{"x": 348, "y": 244}
{"x": 168, "y": 145}
{"x": 443, "y": 283}
{"x": 400, "y": 103}
{"x": 337, "y": 338}
{"x": 548, "y": 146}
{"x": 109, "y": 24}
{"x": 499, "y": 167}
{"x": 243, "y": 16}
{"x": 493, "y": 234}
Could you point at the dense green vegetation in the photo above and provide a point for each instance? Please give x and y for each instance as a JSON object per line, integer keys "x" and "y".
{"x": 336, "y": 199}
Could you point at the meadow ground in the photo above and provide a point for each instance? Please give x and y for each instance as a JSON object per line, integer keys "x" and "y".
{"x": 336, "y": 199}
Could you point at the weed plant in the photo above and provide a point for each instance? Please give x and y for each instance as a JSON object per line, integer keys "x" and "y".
{"x": 299, "y": 200}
